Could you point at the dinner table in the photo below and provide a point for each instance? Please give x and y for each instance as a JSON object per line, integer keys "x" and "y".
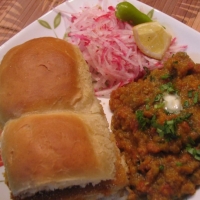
{"x": 15, "y": 15}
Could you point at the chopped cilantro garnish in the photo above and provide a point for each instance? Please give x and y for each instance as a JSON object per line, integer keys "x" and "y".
{"x": 159, "y": 105}
{"x": 183, "y": 117}
{"x": 190, "y": 93}
{"x": 168, "y": 130}
{"x": 161, "y": 167}
{"x": 179, "y": 164}
{"x": 147, "y": 106}
{"x": 168, "y": 87}
{"x": 196, "y": 98}
{"x": 191, "y": 141}
{"x": 194, "y": 152}
{"x": 165, "y": 76}
{"x": 144, "y": 122}
{"x": 186, "y": 104}
{"x": 158, "y": 97}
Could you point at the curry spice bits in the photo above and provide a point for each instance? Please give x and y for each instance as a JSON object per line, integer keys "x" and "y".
{"x": 161, "y": 145}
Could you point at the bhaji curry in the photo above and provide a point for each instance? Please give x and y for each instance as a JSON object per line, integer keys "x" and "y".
{"x": 156, "y": 122}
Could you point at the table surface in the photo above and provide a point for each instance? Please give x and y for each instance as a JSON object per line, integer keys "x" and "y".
{"x": 17, "y": 14}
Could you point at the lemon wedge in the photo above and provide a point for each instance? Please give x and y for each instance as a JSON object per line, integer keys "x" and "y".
{"x": 152, "y": 39}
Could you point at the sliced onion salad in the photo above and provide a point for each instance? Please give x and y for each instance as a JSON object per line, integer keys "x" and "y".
{"x": 109, "y": 49}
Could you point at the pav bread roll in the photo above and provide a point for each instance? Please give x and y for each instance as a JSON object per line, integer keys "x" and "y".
{"x": 44, "y": 74}
{"x": 56, "y": 150}
{"x": 56, "y": 143}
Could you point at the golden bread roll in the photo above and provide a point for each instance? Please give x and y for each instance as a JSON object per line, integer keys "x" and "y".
{"x": 57, "y": 150}
{"x": 56, "y": 143}
{"x": 44, "y": 74}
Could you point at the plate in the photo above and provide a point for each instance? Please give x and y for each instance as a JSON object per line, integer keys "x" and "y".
{"x": 52, "y": 26}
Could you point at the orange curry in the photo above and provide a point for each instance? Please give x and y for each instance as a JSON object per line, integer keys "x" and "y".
{"x": 161, "y": 148}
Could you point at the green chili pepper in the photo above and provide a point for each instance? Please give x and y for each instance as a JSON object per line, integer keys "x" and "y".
{"x": 125, "y": 11}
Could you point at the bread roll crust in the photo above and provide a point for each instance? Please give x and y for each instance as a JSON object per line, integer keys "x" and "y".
{"x": 56, "y": 150}
{"x": 43, "y": 74}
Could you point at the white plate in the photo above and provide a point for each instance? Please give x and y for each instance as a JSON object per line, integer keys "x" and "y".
{"x": 185, "y": 35}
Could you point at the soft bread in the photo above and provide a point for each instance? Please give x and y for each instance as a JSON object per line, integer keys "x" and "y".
{"x": 56, "y": 150}
{"x": 56, "y": 144}
{"x": 44, "y": 74}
